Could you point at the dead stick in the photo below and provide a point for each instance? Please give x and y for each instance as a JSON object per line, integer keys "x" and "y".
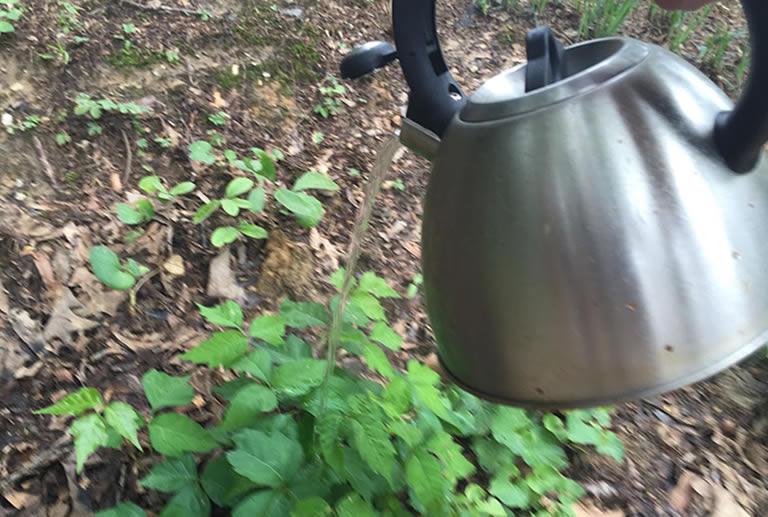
{"x": 44, "y": 161}
{"x": 51, "y": 454}
{"x": 128, "y": 158}
{"x": 168, "y": 9}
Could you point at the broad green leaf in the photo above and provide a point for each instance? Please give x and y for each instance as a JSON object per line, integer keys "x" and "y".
{"x": 146, "y": 209}
{"x": 337, "y": 278}
{"x": 353, "y": 313}
{"x": 183, "y": 188}
{"x": 307, "y": 209}
{"x": 129, "y": 215}
{"x": 107, "y": 268}
{"x": 190, "y": 501}
{"x": 248, "y": 405}
{"x": 227, "y": 314}
{"x": 172, "y": 475}
{"x": 237, "y": 187}
{"x": 382, "y": 333}
{"x": 371, "y": 438}
{"x": 267, "y": 166}
{"x": 377, "y": 286}
{"x": 299, "y": 377}
{"x": 135, "y": 269}
{"x": 201, "y": 151}
{"x": 423, "y": 382}
{"x": 610, "y": 445}
{"x": 6, "y": 27}
{"x": 173, "y": 434}
{"x": 492, "y": 507}
{"x": 89, "y": 433}
{"x": 581, "y": 432}
{"x": 397, "y": 396}
{"x": 270, "y": 328}
{"x": 300, "y": 315}
{"x": 554, "y": 425}
{"x": 494, "y": 457}
{"x": 124, "y": 509}
{"x": 267, "y": 503}
{"x": 224, "y": 235}
{"x": 355, "y": 506}
{"x": 229, "y": 389}
{"x": 377, "y": 360}
{"x": 451, "y": 454}
{"x": 368, "y": 304}
{"x": 256, "y": 200}
{"x": 407, "y": 431}
{"x": 222, "y": 484}
{"x": 253, "y": 231}
{"x": 114, "y": 440}
{"x": 424, "y": 477}
{"x": 206, "y": 211}
{"x": 230, "y": 207}
{"x": 312, "y": 507}
{"x": 514, "y": 495}
{"x": 74, "y": 404}
{"x": 164, "y": 390}
{"x": 266, "y": 459}
{"x": 328, "y": 429}
{"x": 354, "y": 340}
{"x": 125, "y": 420}
{"x": 258, "y": 364}
{"x": 221, "y": 349}
{"x": 315, "y": 180}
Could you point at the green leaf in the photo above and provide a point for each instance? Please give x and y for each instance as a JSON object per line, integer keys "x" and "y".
{"x": 494, "y": 457}
{"x": 377, "y": 286}
{"x": 301, "y": 315}
{"x": 183, "y": 188}
{"x": 129, "y": 215}
{"x": 451, "y": 454}
{"x": 173, "y": 434}
{"x": 312, "y": 507}
{"x": 512, "y": 495}
{"x": 172, "y": 475}
{"x": 382, "y": 333}
{"x": 222, "y": 484}
{"x": 377, "y": 360}
{"x": 424, "y": 477}
{"x": 263, "y": 503}
{"x": 256, "y": 200}
{"x": 237, "y": 187}
{"x": 124, "y": 509}
{"x": 89, "y": 433}
{"x": 230, "y": 207}
{"x": 307, "y": 209}
{"x": 355, "y": 506}
{"x": 299, "y": 377}
{"x": 248, "y": 405}
{"x": 266, "y": 459}
{"x": 221, "y": 349}
{"x": 125, "y": 420}
{"x": 146, "y": 209}
{"x": 6, "y": 27}
{"x": 397, "y": 397}
{"x": 371, "y": 439}
{"x": 581, "y": 432}
{"x": 407, "y": 431}
{"x": 74, "y": 404}
{"x": 227, "y": 314}
{"x": 135, "y": 269}
{"x": 258, "y": 364}
{"x": 610, "y": 445}
{"x": 107, "y": 268}
{"x": 423, "y": 383}
{"x": 269, "y": 328}
{"x": 190, "y": 501}
{"x": 201, "y": 151}
{"x": 253, "y": 231}
{"x": 164, "y": 390}
{"x": 369, "y": 305}
{"x": 114, "y": 440}
{"x": 151, "y": 184}
{"x": 229, "y": 389}
{"x": 315, "y": 180}
{"x": 337, "y": 278}
{"x": 224, "y": 235}
{"x": 206, "y": 211}
{"x": 328, "y": 429}
{"x": 267, "y": 166}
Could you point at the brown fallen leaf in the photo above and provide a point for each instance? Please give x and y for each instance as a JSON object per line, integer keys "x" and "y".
{"x": 726, "y": 505}
{"x": 175, "y": 265}
{"x": 680, "y": 496}
{"x": 45, "y": 269}
{"x": 26, "y": 328}
{"x": 96, "y": 298}
{"x": 585, "y": 510}
{"x": 63, "y": 322}
{"x": 221, "y": 279}
{"x": 22, "y": 500}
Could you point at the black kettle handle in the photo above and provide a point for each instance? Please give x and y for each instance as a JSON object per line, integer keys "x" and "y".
{"x": 741, "y": 134}
{"x": 435, "y": 97}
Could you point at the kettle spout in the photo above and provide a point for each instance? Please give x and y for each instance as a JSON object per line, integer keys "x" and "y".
{"x": 419, "y": 139}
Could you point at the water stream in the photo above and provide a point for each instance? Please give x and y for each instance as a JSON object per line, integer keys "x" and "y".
{"x": 382, "y": 164}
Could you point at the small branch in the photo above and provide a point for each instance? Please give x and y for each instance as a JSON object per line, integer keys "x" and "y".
{"x": 44, "y": 161}
{"x": 165, "y": 8}
{"x": 128, "y": 158}
{"x": 143, "y": 280}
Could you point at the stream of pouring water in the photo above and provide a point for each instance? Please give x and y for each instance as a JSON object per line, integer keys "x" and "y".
{"x": 383, "y": 162}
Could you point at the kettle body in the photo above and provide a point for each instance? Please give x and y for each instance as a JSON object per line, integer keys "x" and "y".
{"x": 583, "y": 243}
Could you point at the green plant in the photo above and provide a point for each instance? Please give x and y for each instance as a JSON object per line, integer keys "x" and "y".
{"x": 218, "y": 119}
{"x": 318, "y": 137}
{"x": 232, "y": 203}
{"x": 305, "y": 437}
{"x": 112, "y": 272}
{"x": 307, "y": 209}
{"x": 684, "y": 24}
{"x": 539, "y": 5}
{"x": 260, "y": 163}
{"x": 85, "y": 105}
{"x": 332, "y": 92}
{"x": 601, "y": 18}
{"x": 413, "y": 287}
{"x": 143, "y": 210}
{"x": 62, "y": 138}
{"x": 10, "y": 11}
{"x": 93, "y": 129}
{"x": 713, "y": 51}
{"x": 29, "y": 123}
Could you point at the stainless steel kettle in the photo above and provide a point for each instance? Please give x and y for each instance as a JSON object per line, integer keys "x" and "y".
{"x": 596, "y": 222}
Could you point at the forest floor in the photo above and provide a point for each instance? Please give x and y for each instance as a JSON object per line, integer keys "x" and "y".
{"x": 702, "y": 450}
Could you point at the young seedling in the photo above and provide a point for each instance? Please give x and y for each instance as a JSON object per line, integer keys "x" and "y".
{"x": 332, "y": 92}
{"x": 85, "y": 105}
{"x": 307, "y": 209}
{"x": 112, "y": 272}
{"x": 218, "y": 119}
{"x": 602, "y": 18}
{"x": 232, "y": 203}
{"x": 10, "y": 12}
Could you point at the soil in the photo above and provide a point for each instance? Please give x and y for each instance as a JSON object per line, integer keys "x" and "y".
{"x": 699, "y": 451}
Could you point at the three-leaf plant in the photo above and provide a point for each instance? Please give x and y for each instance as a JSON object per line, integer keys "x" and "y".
{"x": 307, "y": 209}
{"x": 232, "y": 203}
{"x": 143, "y": 210}
{"x": 112, "y": 272}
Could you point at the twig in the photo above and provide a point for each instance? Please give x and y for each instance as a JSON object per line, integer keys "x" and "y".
{"x": 167, "y": 9}
{"x": 143, "y": 280}
{"x": 44, "y": 161}
{"x": 50, "y": 454}
{"x": 128, "y": 158}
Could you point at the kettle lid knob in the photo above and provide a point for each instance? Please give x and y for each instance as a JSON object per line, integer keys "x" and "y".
{"x": 545, "y": 59}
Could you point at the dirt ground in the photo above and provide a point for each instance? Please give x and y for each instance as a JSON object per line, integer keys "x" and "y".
{"x": 699, "y": 451}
